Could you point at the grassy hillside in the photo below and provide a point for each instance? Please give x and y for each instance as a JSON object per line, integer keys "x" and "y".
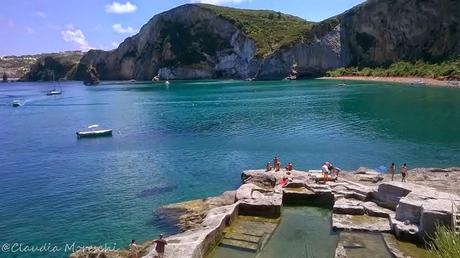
{"x": 449, "y": 69}
{"x": 270, "y": 30}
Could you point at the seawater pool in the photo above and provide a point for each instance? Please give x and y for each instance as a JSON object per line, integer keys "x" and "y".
{"x": 302, "y": 232}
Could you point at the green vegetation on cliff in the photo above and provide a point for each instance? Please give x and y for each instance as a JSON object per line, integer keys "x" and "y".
{"x": 269, "y": 29}
{"x": 445, "y": 70}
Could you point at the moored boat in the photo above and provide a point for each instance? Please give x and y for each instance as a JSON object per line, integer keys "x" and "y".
{"x": 53, "y": 92}
{"x": 16, "y": 103}
{"x": 94, "y": 133}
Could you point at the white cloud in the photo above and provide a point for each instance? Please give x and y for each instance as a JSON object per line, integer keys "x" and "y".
{"x": 30, "y": 30}
{"x": 119, "y": 28}
{"x": 10, "y": 24}
{"x": 219, "y": 2}
{"x": 117, "y": 7}
{"x": 75, "y": 36}
{"x": 115, "y": 44}
{"x": 41, "y": 14}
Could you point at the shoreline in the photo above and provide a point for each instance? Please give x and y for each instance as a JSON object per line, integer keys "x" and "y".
{"x": 418, "y": 81}
{"x": 361, "y": 201}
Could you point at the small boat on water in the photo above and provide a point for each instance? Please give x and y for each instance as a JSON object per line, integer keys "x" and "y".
{"x": 53, "y": 92}
{"x": 167, "y": 82}
{"x": 342, "y": 84}
{"x": 94, "y": 132}
{"x": 16, "y": 103}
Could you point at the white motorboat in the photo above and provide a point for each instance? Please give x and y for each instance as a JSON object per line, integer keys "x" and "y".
{"x": 94, "y": 132}
{"x": 53, "y": 92}
{"x": 16, "y": 103}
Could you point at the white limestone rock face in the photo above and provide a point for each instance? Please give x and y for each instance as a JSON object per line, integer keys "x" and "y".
{"x": 257, "y": 201}
{"x": 195, "y": 243}
{"x": 389, "y": 194}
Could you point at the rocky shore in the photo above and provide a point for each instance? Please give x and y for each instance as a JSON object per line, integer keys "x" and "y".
{"x": 361, "y": 201}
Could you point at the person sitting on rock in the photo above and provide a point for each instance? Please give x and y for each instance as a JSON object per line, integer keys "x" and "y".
{"x": 268, "y": 167}
{"x": 334, "y": 171}
{"x": 325, "y": 170}
{"x": 284, "y": 181}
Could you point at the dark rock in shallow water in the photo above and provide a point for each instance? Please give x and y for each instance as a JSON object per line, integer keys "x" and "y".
{"x": 190, "y": 214}
{"x": 156, "y": 190}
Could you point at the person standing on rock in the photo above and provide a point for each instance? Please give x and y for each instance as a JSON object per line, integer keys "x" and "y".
{"x": 134, "y": 248}
{"x": 289, "y": 167}
{"x": 392, "y": 170}
{"x": 160, "y": 246}
{"x": 276, "y": 164}
{"x": 403, "y": 172}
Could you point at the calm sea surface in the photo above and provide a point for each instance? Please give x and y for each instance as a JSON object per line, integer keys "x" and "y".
{"x": 192, "y": 140}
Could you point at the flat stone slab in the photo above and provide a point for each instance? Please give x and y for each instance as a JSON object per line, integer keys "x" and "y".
{"x": 372, "y": 209}
{"x": 348, "y": 206}
{"x": 360, "y": 223}
{"x": 298, "y": 190}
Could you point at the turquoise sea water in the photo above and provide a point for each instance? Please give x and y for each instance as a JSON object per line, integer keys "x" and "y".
{"x": 192, "y": 140}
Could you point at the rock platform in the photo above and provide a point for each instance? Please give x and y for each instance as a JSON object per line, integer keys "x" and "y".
{"x": 361, "y": 201}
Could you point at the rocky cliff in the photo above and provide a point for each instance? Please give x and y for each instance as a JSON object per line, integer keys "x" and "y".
{"x": 196, "y": 41}
{"x": 201, "y": 41}
{"x": 380, "y": 32}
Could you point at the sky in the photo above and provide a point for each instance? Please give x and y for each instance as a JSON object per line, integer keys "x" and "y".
{"x": 43, "y": 26}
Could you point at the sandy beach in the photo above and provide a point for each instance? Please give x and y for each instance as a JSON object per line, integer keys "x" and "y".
{"x": 404, "y": 80}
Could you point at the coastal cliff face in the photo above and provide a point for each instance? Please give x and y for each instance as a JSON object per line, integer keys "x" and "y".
{"x": 188, "y": 42}
{"x": 382, "y": 32}
{"x": 196, "y": 41}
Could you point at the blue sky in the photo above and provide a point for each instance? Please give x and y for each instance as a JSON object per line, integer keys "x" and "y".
{"x": 40, "y": 26}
